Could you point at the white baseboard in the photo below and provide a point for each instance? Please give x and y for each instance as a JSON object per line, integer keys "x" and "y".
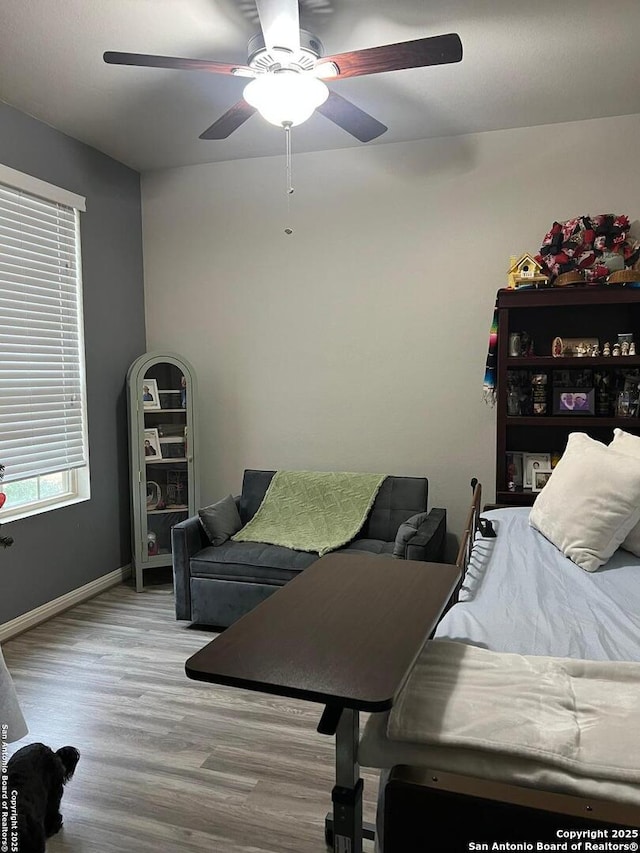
{"x": 58, "y": 605}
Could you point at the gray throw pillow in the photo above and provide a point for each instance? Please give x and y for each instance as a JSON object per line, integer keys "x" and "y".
{"x": 406, "y": 532}
{"x": 220, "y": 520}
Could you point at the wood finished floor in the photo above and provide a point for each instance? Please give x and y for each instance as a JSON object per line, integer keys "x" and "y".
{"x": 168, "y": 764}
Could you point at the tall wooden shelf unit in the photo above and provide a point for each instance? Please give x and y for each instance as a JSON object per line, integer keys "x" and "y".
{"x": 164, "y": 478}
{"x": 583, "y": 311}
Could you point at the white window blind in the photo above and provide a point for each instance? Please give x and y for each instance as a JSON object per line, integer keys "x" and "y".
{"x": 42, "y": 396}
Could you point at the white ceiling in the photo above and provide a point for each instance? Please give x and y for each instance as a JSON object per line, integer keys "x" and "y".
{"x": 526, "y": 62}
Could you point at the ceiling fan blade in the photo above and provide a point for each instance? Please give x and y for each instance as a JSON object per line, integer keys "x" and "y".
{"x": 351, "y": 118}
{"x": 435, "y": 50}
{"x": 280, "y": 23}
{"x": 149, "y": 61}
{"x": 230, "y": 121}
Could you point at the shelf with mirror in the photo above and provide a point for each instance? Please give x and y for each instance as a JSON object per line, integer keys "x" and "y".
{"x": 162, "y": 454}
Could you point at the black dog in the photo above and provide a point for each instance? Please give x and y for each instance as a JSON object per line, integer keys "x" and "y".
{"x": 37, "y": 775}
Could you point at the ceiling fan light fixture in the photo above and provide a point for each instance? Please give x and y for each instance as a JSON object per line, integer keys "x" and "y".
{"x": 286, "y": 98}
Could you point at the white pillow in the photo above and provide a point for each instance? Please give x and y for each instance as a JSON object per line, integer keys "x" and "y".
{"x": 590, "y": 502}
{"x": 624, "y": 442}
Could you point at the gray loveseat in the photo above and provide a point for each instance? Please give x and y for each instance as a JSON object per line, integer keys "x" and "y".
{"x": 216, "y": 585}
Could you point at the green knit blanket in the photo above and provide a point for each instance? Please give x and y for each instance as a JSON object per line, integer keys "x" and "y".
{"x": 312, "y": 510}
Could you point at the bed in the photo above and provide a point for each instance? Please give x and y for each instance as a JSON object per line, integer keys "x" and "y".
{"x": 521, "y": 603}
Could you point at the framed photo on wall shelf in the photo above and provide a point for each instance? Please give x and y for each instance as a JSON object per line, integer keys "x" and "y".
{"x": 152, "y": 448}
{"x": 540, "y": 479}
{"x": 574, "y": 401}
{"x": 150, "y": 396}
{"x": 534, "y": 462}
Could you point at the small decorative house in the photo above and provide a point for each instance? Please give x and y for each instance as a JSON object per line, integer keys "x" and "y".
{"x": 525, "y": 270}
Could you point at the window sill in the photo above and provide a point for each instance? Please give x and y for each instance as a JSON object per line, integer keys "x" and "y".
{"x": 28, "y": 511}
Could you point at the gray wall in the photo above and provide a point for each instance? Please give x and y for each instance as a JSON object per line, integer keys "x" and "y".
{"x": 58, "y": 551}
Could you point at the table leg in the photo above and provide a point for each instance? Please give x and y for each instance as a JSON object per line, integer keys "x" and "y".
{"x": 368, "y": 830}
{"x": 347, "y": 792}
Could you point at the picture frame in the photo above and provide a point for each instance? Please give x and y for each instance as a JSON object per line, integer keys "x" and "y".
{"x": 151, "y": 445}
{"x": 562, "y": 378}
{"x": 540, "y": 479}
{"x": 173, "y": 447}
{"x": 570, "y": 378}
{"x": 574, "y": 401}
{"x": 150, "y": 396}
{"x": 532, "y": 462}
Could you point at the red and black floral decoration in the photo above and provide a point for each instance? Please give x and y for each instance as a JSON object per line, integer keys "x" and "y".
{"x": 585, "y": 243}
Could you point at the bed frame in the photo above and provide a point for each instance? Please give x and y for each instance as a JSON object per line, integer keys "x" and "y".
{"x": 421, "y": 804}
{"x": 474, "y": 524}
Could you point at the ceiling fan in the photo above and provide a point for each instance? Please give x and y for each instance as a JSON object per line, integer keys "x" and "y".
{"x": 289, "y": 69}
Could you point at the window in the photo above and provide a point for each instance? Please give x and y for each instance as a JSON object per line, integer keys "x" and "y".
{"x": 43, "y": 423}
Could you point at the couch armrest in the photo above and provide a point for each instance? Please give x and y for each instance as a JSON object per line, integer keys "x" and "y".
{"x": 422, "y": 537}
{"x": 187, "y": 538}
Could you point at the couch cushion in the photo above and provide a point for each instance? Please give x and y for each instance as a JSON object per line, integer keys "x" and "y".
{"x": 406, "y": 532}
{"x": 368, "y": 546}
{"x": 397, "y": 500}
{"x": 220, "y": 520}
{"x": 250, "y": 560}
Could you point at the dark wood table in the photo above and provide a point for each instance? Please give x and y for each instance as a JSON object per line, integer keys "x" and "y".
{"x": 344, "y": 633}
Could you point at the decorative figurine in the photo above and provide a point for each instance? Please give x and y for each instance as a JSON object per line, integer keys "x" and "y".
{"x": 632, "y": 348}
{"x": 607, "y": 349}
{"x": 152, "y": 543}
{"x": 624, "y": 348}
{"x": 616, "y": 349}
{"x": 183, "y": 392}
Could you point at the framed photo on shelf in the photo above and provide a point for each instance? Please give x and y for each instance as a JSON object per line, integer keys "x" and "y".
{"x": 150, "y": 396}
{"x": 534, "y": 462}
{"x": 570, "y": 379}
{"x": 574, "y": 401}
{"x": 152, "y": 448}
{"x": 169, "y": 399}
{"x": 173, "y": 447}
{"x": 540, "y": 479}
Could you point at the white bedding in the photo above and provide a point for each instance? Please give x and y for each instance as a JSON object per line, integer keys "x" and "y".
{"x": 574, "y": 714}
{"x": 533, "y": 601}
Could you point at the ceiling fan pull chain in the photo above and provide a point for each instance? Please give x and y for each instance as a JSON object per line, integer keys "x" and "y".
{"x": 287, "y": 134}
